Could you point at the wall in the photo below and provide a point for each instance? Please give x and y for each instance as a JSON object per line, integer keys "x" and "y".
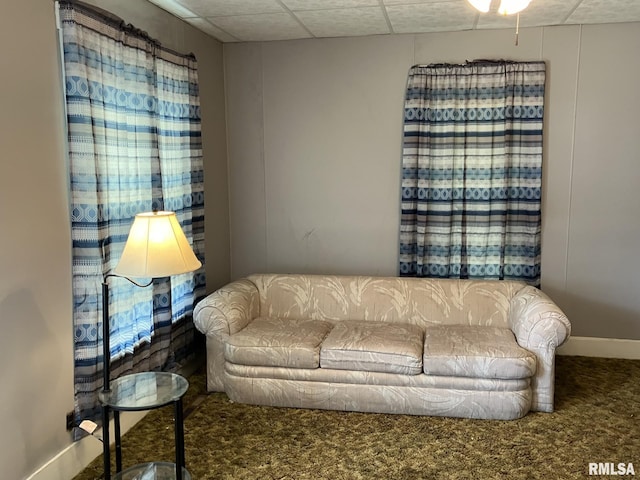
{"x": 36, "y": 350}
{"x": 315, "y": 132}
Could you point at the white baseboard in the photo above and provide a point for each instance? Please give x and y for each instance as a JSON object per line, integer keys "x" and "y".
{"x": 75, "y": 458}
{"x": 601, "y": 347}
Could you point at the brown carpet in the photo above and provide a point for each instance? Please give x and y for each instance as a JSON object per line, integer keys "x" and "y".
{"x": 597, "y": 419}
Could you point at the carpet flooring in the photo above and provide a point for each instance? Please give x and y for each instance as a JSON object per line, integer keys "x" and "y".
{"x": 597, "y": 419}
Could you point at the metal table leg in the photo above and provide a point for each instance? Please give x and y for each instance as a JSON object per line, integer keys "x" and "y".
{"x": 179, "y": 433}
{"x": 105, "y": 442}
{"x": 116, "y": 424}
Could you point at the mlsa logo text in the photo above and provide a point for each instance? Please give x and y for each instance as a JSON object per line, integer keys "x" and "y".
{"x": 611, "y": 469}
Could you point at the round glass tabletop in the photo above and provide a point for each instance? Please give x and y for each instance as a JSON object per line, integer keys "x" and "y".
{"x": 144, "y": 391}
{"x": 152, "y": 471}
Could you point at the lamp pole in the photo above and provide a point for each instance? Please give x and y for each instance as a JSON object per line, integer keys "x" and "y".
{"x": 106, "y": 368}
{"x": 106, "y": 371}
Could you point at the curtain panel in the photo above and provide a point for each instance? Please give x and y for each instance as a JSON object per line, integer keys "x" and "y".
{"x": 471, "y": 171}
{"x": 134, "y": 141}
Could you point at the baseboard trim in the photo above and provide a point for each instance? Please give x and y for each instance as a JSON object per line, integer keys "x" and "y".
{"x": 601, "y": 347}
{"x": 74, "y": 458}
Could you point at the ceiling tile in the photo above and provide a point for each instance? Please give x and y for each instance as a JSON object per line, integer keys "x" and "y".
{"x": 215, "y": 8}
{"x": 297, "y": 5}
{"x": 606, "y": 11}
{"x": 174, "y": 8}
{"x": 431, "y": 17}
{"x": 330, "y": 18}
{"x": 344, "y": 22}
{"x": 255, "y": 28}
{"x": 209, "y": 28}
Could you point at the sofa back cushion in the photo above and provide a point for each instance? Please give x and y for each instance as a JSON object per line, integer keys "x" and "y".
{"x": 419, "y": 301}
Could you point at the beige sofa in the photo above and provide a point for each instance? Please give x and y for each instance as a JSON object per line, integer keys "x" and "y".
{"x": 461, "y": 348}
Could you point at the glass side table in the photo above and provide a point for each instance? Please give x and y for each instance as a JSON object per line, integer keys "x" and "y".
{"x": 145, "y": 391}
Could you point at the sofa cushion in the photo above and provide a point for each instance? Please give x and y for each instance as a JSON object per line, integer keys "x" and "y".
{"x": 278, "y": 342}
{"x": 477, "y": 352}
{"x": 373, "y": 347}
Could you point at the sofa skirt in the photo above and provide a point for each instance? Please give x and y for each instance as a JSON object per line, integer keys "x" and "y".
{"x": 378, "y": 392}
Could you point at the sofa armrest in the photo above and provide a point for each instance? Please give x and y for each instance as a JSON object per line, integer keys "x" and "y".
{"x": 539, "y": 326}
{"x": 228, "y": 309}
{"x": 221, "y": 314}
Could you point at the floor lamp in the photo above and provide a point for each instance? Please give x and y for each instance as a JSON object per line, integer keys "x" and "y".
{"x": 156, "y": 247}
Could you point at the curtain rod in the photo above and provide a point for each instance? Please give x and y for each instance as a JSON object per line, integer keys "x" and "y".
{"x": 118, "y": 23}
{"x": 480, "y": 62}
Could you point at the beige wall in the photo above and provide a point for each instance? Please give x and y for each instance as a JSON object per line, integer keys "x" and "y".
{"x": 36, "y": 350}
{"x": 315, "y": 132}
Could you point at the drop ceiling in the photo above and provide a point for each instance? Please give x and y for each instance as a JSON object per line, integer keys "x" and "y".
{"x": 265, "y": 20}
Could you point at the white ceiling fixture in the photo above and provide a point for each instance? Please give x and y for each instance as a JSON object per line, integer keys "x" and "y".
{"x": 507, "y": 7}
{"x": 266, "y": 20}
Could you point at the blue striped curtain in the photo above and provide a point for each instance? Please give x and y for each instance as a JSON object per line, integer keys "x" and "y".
{"x": 134, "y": 142}
{"x": 471, "y": 171}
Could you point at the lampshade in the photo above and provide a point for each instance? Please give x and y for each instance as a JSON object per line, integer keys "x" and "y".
{"x": 156, "y": 247}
